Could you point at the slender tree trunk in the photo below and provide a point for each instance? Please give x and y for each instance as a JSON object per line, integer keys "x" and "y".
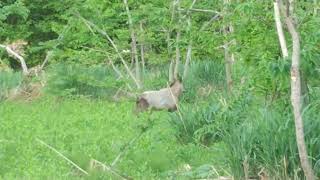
{"x": 315, "y": 8}
{"x": 177, "y": 63}
{"x": 134, "y": 44}
{"x": 227, "y": 55}
{"x": 170, "y": 71}
{"x": 188, "y": 59}
{"x": 296, "y": 100}
{"x": 142, "y": 49}
{"x": 189, "y": 49}
{"x": 281, "y": 36}
{"x": 176, "y": 68}
{"x": 228, "y": 68}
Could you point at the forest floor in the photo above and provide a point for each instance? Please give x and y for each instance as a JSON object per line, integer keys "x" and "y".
{"x": 83, "y": 129}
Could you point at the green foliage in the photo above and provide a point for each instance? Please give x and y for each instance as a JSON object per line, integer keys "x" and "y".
{"x": 83, "y": 129}
{"x": 96, "y": 81}
{"x": 266, "y": 140}
{"x": 210, "y": 122}
{"x": 203, "y": 74}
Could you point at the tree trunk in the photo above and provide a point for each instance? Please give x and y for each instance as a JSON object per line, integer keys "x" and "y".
{"x": 228, "y": 68}
{"x": 281, "y": 36}
{"x": 315, "y": 7}
{"x": 134, "y": 44}
{"x": 188, "y": 59}
{"x": 227, "y": 55}
{"x": 177, "y": 63}
{"x": 296, "y": 100}
{"x": 170, "y": 71}
{"x": 176, "y": 68}
{"x": 142, "y": 49}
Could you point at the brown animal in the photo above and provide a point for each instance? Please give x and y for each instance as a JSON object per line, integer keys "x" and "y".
{"x": 166, "y": 98}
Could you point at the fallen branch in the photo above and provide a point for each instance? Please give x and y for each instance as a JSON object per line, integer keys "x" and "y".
{"x": 16, "y": 55}
{"x": 126, "y": 148}
{"x": 95, "y": 163}
{"x": 61, "y": 155}
{"x": 205, "y": 25}
{"x": 48, "y": 56}
{"x": 178, "y": 109}
{"x": 200, "y": 10}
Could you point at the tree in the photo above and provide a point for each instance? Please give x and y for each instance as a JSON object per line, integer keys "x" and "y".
{"x": 296, "y": 90}
{"x": 134, "y": 44}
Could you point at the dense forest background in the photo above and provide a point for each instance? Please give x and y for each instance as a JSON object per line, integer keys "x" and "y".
{"x": 86, "y": 61}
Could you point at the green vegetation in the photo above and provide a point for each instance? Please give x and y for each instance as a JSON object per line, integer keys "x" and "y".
{"x": 84, "y": 129}
{"x": 235, "y": 118}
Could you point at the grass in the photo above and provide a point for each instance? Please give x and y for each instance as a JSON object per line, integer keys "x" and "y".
{"x": 82, "y": 129}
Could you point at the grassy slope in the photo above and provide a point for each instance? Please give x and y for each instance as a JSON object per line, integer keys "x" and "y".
{"x": 82, "y": 129}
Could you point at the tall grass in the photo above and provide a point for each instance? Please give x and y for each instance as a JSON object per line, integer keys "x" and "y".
{"x": 266, "y": 142}
{"x": 203, "y": 74}
{"x": 8, "y": 81}
{"x": 208, "y": 122}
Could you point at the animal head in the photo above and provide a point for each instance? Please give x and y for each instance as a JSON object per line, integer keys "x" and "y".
{"x": 177, "y": 87}
{"x": 141, "y": 105}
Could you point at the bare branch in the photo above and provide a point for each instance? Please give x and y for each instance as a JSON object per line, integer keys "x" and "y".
{"x": 95, "y": 163}
{"x": 48, "y": 56}
{"x": 113, "y": 45}
{"x": 61, "y": 155}
{"x": 205, "y": 25}
{"x": 200, "y": 10}
{"x": 17, "y": 56}
{"x": 188, "y": 59}
{"x": 126, "y": 148}
{"x": 134, "y": 43}
{"x": 281, "y": 36}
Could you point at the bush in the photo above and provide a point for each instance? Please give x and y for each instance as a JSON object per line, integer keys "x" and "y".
{"x": 207, "y": 123}
{"x": 72, "y": 79}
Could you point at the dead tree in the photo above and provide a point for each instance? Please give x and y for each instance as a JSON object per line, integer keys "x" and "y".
{"x": 15, "y": 50}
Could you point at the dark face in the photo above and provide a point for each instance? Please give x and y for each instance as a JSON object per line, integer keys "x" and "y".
{"x": 141, "y": 105}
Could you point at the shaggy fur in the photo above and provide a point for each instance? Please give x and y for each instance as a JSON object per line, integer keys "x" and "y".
{"x": 162, "y": 99}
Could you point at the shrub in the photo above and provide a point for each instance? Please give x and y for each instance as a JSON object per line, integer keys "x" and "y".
{"x": 72, "y": 79}
{"x": 206, "y": 123}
